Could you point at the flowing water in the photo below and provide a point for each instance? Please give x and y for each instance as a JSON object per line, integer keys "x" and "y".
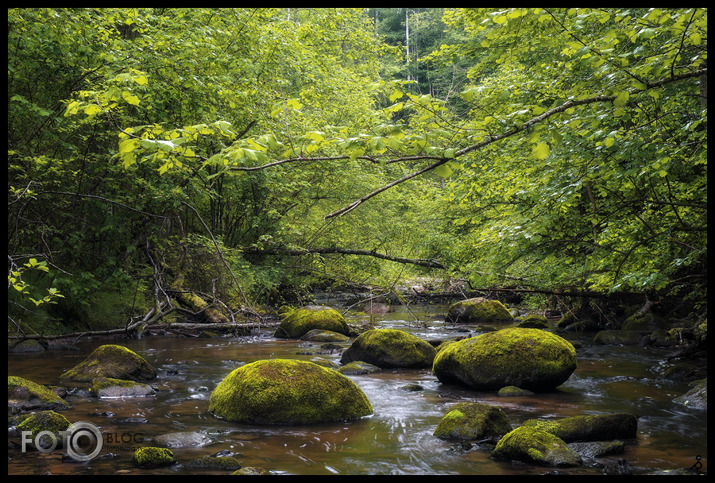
{"x": 396, "y": 439}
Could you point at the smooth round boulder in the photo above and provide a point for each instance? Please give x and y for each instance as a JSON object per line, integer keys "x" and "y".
{"x": 468, "y": 420}
{"x": 283, "y": 391}
{"x": 112, "y": 361}
{"x": 531, "y": 359}
{"x": 537, "y": 447}
{"x": 298, "y": 322}
{"x": 478, "y": 310}
{"x": 390, "y": 348}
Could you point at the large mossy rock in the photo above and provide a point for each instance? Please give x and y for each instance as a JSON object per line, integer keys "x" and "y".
{"x": 468, "y": 421}
{"x": 112, "y": 361}
{"x": 534, "y": 446}
{"x": 478, "y": 310}
{"x": 390, "y": 348}
{"x": 283, "y": 391}
{"x": 24, "y": 395}
{"x": 298, "y": 322}
{"x": 527, "y": 358}
{"x": 599, "y": 427}
{"x": 42, "y": 421}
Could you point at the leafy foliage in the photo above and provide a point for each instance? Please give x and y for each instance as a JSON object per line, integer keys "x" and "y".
{"x": 574, "y": 155}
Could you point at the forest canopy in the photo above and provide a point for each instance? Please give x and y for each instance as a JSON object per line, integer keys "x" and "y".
{"x": 243, "y": 153}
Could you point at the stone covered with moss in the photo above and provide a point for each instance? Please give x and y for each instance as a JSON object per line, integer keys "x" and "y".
{"x": 535, "y": 446}
{"x": 113, "y": 361}
{"x": 283, "y": 391}
{"x": 473, "y": 421}
{"x": 298, "y": 322}
{"x": 477, "y": 310}
{"x": 318, "y": 335}
{"x": 597, "y": 427}
{"x": 25, "y": 395}
{"x": 45, "y": 421}
{"x": 531, "y": 359}
{"x": 151, "y": 457}
{"x": 390, "y": 348}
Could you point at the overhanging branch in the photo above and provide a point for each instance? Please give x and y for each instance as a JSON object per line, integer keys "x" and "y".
{"x": 492, "y": 139}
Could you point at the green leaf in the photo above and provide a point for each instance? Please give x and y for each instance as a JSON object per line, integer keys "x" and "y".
{"x": 621, "y": 99}
{"x": 541, "y": 151}
{"x": 444, "y": 171}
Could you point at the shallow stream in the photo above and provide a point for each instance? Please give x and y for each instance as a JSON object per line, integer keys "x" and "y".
{"x": 396, "y": 439}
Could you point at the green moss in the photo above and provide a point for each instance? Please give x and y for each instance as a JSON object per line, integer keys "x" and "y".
{"x": 535, "y": 446}
{"x": 588, "y": 428}
{"x": 45, "y": 421}
{"x": 528, "y": 358}
{"x": 390, "y": 348}
{"x": 479, "y": 310}
{"x": 112, "y": 361}
{"x": 298, "y": 322}
{"x": 282, "y": 391}
{"x": 151, "y": 457}
{"x": 216, "y": 462}
{"x": 472, "y": 421}
{"x": 26, "y": 394}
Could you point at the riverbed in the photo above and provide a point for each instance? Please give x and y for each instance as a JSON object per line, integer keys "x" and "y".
{"x": 396, "y": 439}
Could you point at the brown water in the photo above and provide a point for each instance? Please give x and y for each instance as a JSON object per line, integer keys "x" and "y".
{"x": 396, "y": 439}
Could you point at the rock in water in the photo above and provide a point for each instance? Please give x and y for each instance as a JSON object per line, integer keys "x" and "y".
{"x": 113, "y": 361}
{"x": 390, "y": 348}
{"x": 531, "y": 359}
{"x": 283, "y": 391}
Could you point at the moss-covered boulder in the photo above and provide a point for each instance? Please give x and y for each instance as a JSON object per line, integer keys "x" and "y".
{"x": 151, "y": 457}
{"x": 298, "y": 322}
{"x": 599, "y": 427}
{"x": 467, "y": 421}
{"x": 537, "y": 447}
{"x": 282, "y": 391}
{"x": 478, "y": 310}
{"x": 318, "y": 335}
{"x": 109, "y": 387}
{"x": 25, "y": 395}
{"x": 512, "y": 391}
{"x": 390, "y": 348}
{"x": 357, "y": 368}
{"x": 113, "y": 361}
{"x": 44, "y": 421}
{"x": 531, "y": 359}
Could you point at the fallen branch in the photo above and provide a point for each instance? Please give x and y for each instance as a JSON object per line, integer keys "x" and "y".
{"x": 346, "y": 251}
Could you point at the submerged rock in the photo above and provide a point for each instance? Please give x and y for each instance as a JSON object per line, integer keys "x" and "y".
{"x": 298, "y": 322}
{"x": 109, "y": 387}
{"x": 186, "y": 439}
{"x": 282, "y": 391}
{"x": 473, "y": 421}
{"x": 479, "y": 309}
{"x": 318, "y": 335}
{"x": 112, "y": 361}
{"x": 535, "y": 446}
{"x": 390, "y": 348}
{"x": 25, "y": 395}
{"x": 598, "y": 427}
{"x": 514, "y": 391}
{"x": 356, "y": 368}
{"x": 531, "y": 359}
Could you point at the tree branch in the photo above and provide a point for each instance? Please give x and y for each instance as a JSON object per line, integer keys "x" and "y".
{"x": 347, "y": 251}
{"x": 492, "y": 139}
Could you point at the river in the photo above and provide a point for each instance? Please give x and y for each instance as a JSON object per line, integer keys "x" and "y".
{"x": 396, "y": 439}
